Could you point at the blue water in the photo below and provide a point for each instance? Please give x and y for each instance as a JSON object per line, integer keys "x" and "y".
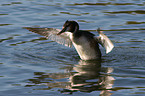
{"x": 31, "y": 65}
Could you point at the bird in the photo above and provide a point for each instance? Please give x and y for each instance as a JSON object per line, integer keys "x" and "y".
{"x": 85, "y": 42}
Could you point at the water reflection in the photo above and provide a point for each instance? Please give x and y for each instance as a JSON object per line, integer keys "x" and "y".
{"x": 87, "y": 76}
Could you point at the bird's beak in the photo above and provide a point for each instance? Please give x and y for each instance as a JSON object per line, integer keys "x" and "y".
{"x": 62, "y": 31}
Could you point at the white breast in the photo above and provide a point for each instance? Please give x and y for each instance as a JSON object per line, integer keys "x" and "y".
{"x": 85, "y": 51}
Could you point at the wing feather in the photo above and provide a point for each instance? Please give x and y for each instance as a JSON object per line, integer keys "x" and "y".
{"x": 51, "y": 33}
{"x": 105, "y": 41}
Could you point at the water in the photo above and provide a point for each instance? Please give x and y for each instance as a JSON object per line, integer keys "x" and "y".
{"x": 33, "y": 66}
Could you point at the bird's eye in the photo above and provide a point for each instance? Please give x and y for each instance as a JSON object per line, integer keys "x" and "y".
{"x": 67, "y": 24}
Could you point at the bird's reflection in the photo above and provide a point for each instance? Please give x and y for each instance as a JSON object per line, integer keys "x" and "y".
{"x": 88, "y": 73}
{"x": 87, "y": 76}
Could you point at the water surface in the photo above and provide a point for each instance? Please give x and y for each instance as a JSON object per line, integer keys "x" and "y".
{"x": 31, "y": 65}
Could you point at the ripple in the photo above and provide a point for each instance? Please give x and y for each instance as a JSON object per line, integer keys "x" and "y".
{"x": 5, "y": 24}
{"x": 119, "y": 29}
{"x": 33, "y": 40}
{"x": 11, "y": 3}
{"x": 128, "y": 12}
{"x": 134, "y": 41}
{"x": 70, "y": 13}
{"x": 105, "y": 4}
{"x": 55, "y": 15}
{"x": 134, "y": 22}
{"x": 121, "y": 88}
{"x": 4, "y": 14}
{"x": 8, "y": 38}
{"x": 85, "y": 21}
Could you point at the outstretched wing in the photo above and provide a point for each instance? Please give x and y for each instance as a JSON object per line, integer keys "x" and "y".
{"x": 105, "y": 41}
{"x": 51, "y": 33}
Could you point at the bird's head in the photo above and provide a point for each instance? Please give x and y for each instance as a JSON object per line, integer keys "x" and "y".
{"x": 69, "y": 26}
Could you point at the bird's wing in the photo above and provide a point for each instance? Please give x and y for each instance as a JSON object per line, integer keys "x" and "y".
{"x": 51, "y": 33}
{"x": 105, "y": 41}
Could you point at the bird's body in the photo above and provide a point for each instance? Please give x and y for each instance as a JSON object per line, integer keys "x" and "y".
{"x": 85, "y": 43}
